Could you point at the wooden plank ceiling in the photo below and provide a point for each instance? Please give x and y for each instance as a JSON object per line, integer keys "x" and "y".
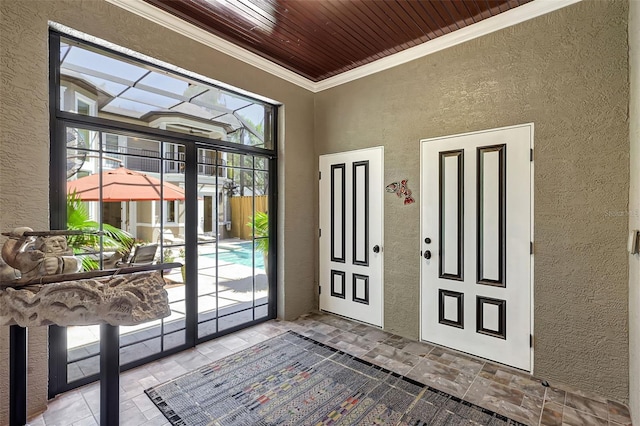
{"x": 318, "y": 39}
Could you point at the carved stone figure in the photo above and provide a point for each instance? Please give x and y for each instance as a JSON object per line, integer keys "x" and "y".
{"x": 38, "y": 256}
{"x": 127, "y": 299}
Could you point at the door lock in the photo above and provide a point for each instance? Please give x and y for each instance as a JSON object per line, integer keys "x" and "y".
{"x": 376, "y": 249}
{"x": 427, "y": 240}
{"x": 427, "y": 254}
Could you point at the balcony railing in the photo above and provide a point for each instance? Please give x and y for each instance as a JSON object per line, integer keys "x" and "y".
{"x": 147, "y": 160}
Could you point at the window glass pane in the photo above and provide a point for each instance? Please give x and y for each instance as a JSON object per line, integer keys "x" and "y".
{"x": 261, "y": 265}
{"x": 64, "y": 49}
{"x": 261, "y": 163}
{"x": 117, "y": 88}
{"x": 116, "y": 146}
{"x": 82, "y": 146}
{"x": 171, "y": 84}
{"x": 83, "y": 350}
{"x": 139, "y": 341}
{"x": 261, "y": 185}
{"x": 238, "y": 160}
{"x": 110, "y": 87}
{"x": 233, "y": 102}
{"x": 171, "y": 211}
{"x": 101, "y": 65}
{"x": 149, "y": 98}
{"x": 127, "y": 108}
{"x": 83, "y": 108}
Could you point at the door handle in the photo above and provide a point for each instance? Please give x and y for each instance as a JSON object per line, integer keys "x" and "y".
{"x": 376, "y": 249}
{"x": 427, "y": 254}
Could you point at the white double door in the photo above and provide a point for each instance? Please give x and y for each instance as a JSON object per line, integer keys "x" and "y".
{"x": 351, "y": 234}
{"x": 476, "y": 235}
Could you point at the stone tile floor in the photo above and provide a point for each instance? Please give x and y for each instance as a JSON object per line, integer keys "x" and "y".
{"x": 501, "y": 389}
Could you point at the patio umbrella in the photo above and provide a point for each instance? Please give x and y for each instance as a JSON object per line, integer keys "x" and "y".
{"x": 122, "y": 184}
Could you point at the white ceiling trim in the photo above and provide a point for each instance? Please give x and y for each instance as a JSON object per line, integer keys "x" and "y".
{"x": 495, "y": 23}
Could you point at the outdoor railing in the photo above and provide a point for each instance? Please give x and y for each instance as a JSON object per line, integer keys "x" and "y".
{"x": 148, "y": 160}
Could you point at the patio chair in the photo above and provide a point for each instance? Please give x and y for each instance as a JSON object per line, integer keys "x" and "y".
{"x": 142, "y": 255}
{"x": 112, "y": 261}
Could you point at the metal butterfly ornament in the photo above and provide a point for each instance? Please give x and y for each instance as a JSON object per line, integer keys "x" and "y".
{"x": 401, "y": 190}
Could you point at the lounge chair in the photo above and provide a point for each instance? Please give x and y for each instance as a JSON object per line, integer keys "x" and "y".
{"x": 142, "y": 255}
{"x": 204, "y": 238}
{"x": 169, "y": 239}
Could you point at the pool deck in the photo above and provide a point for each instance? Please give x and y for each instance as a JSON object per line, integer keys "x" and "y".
{"x": 235, "y": 285}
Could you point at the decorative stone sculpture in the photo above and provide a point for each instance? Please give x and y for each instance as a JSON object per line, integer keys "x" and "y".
{"x": 37, "y": 256}
{"x": 127, "y": 299}
{"x": 40, "y": 285}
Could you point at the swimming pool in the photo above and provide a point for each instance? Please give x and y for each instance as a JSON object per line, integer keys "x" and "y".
{"x": 240, "y": 256}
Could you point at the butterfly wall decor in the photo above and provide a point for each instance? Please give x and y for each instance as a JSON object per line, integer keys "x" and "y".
{"x": 401, "y": 190}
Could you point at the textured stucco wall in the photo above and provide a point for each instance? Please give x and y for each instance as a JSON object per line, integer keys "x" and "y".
{"x": 24, "y": 159}
{"x": 634, "y": 209}
{"x": 566, "y": 72}
{"x": 24, "y": 140}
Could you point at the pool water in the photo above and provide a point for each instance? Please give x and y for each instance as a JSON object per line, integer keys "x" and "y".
{"x": 241, "y": 256}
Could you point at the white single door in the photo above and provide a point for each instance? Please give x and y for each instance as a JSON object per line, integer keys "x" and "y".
{"x": 476, "y": 235}
{"x": 351, "y": 250}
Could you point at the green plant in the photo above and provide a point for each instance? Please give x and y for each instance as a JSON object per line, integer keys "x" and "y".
{"x": 78, "y": 219}
{"x": 168, "y": 256}
{"x": 260, "y": 225}
{"x": 183, "y": 268}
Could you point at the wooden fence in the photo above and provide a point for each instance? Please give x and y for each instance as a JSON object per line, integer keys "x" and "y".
{"x": 241, "y": 213}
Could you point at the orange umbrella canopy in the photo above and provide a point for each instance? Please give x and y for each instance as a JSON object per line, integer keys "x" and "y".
{"x": 123, "y": 184}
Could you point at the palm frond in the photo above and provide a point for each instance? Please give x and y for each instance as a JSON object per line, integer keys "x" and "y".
{"x": 260, "y": 225}
{"x": 79, "y": 219}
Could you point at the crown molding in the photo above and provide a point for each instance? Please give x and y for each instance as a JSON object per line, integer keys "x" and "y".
{"x": 495, "y": 23}
{"x": 486, "y": 26}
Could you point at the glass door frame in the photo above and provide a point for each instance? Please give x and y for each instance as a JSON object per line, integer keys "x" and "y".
{"x": 59, "y": 121}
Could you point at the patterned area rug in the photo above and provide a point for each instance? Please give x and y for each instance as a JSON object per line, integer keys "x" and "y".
{"x": 293, "y": 380}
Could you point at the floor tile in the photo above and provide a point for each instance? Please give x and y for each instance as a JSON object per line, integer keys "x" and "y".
{"x": 573, "y": 417}
{"x": 370, "y": 333}
{"x": 407, "y": 345}
{"x": 66, "y": 410}
{"x": 87, "y": 421}
{"x": 551, "y": 414}
{"x": 442, "y": 377}
{"x": 352, "y": 343}
{"x": 506, "y": 400}
{"x": 555, "y": 395}
{"x": 619, "y": 413}
{"x": 505, "y": 390}
{"x": 392, "y": 359}
{"x": 456, "y": 360}
{"x": 587, "y": 405}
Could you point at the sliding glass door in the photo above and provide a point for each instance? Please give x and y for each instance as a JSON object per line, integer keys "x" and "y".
{"x": 232, "y": 266}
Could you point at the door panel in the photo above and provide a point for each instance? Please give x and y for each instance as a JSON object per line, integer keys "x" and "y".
{"x": 351, "y": 234}
{"x": 476, "y": 234}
